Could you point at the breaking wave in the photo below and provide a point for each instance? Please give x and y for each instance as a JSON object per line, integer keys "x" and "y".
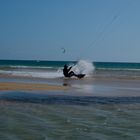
{"x": 84, "y": 67}
{"x": 36, "y": 74}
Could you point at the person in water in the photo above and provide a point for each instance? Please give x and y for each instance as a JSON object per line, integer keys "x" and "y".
{"x": 67, "y": 72}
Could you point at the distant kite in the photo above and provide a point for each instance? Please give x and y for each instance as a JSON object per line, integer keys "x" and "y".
{"x": 63, "y": 50}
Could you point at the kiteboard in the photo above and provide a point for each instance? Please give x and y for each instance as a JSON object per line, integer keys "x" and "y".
{"x": 80, "y": 76}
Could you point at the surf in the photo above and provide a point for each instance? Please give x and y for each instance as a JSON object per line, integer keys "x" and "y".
{"x": 83, "y": 67}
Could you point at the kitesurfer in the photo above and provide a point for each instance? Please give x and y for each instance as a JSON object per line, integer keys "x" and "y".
{"x": 68, "y": 73}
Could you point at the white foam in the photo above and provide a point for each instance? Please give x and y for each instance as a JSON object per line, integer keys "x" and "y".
{"x": 37, "y": 74}
{"x": 83, "y": 67}
{"x": 31, "y": 67}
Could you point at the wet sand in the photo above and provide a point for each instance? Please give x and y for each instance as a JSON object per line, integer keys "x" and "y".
{"x": 78, "y": 87}
{"x": 28, "y": 86}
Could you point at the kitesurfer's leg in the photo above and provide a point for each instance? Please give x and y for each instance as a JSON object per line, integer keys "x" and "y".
{"x": 72, "y": 74}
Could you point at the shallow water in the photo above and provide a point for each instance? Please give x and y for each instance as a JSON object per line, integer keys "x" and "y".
{"x": 29, "y": 116}
{"x": 103, "y": 106}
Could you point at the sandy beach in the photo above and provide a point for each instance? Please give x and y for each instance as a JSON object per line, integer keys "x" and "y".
{"x": 28, "y": 86}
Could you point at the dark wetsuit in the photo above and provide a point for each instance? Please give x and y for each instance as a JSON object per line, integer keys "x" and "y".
{"x": 67, "y": 72}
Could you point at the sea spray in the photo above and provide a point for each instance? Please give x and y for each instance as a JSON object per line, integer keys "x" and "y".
{"x": 83, "y": 67}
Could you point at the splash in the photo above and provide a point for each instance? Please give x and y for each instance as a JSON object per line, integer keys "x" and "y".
{"x": 84, "y": 67}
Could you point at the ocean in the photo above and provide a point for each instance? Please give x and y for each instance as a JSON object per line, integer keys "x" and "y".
{"x": 53, "y": 69}
{"x": 105, "y": 105}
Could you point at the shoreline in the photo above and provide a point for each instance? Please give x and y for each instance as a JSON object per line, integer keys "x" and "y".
{"x": 8, "y": 86}
{"x": 108, "y": 87}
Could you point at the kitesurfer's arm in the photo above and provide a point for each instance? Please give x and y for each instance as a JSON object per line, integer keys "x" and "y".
{"x": 69, "y": 68}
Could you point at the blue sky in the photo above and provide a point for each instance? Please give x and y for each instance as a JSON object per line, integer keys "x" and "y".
{"x": 98, "y": 30}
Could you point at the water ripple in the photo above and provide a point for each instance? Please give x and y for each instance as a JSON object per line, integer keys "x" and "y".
{"x": 65, "y": 99}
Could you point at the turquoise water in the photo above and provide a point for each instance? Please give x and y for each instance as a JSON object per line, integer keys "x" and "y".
{"x": 53, "y": 69}
{"x": 33, "y": 63}
{"x": 98, "y": 65}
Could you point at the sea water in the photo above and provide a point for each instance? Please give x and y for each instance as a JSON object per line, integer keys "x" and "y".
{"x": 29, "y": 116}
{"x": 53, "y": 69}
{"x": 94, "y": 108}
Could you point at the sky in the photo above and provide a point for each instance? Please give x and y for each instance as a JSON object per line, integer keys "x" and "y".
{"x": 96, "y": 30}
